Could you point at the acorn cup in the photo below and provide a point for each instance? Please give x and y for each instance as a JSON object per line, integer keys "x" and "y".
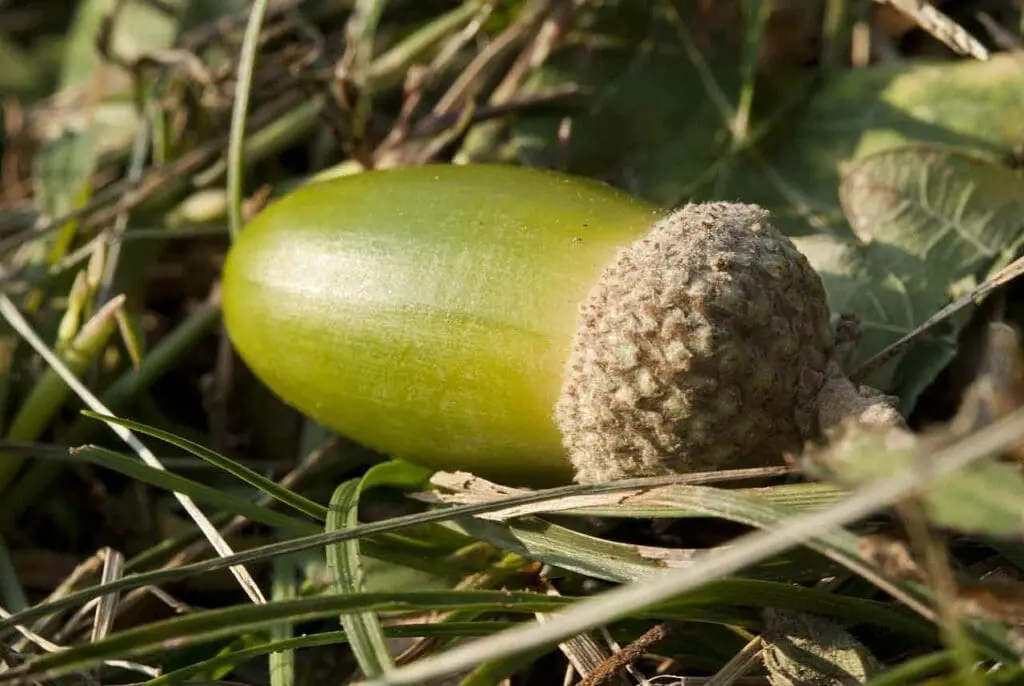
{"x": 532, "y": 328}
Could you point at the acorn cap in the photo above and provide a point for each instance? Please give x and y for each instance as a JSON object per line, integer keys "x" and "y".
{"x": 703, "y": 346}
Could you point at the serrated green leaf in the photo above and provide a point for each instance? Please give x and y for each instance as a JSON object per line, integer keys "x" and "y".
{"x": 668, "y": 150}
{"x": 927, "y": 219}
{"x": 649, "y": 120}
{"x": 958, "y": 213}
{"x": 969, "y": 105}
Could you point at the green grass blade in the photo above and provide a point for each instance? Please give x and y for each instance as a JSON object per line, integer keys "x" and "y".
{"x": 362, "y": 31}
{"x": 390, "y": 69}
{"x": 327, "y": 638}
{"x": 158, "y": 361}
{"x": 498, "y": 671}
{"x": 176, "y": 483}
{"x": 836, "y": 543}
{"x": 272, "y": 550}
{"x": 12, "y": 595}
{"x": 343, "y": 559}
{"x": 794, "y": 497}
{"x": 537, "y": 539}
{"x": 282, "y": 587}
{"x": 757, "y": 14}
{"x": 801, "y": 529}
{"x": 719, "y": 602}
{"x": 915, "y": 669}
{"x": 255, "y": 479}
{"x": 50, "y": 392}
{"x": 239, "y": 112}
{"x": 205, "y": 626}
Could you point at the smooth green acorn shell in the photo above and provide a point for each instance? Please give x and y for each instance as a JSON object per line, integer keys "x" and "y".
{"x": 427, "y": 312}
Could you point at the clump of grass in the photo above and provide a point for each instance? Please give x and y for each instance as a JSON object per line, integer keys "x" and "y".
{"x": 190, "y": 527}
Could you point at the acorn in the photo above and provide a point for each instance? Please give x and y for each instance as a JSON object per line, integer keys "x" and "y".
{"x": 532, "y": 327}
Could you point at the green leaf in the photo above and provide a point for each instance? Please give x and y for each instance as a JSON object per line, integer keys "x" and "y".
{"x": 796, "y": 170}
{"x": 628, "y": 55}
{"x": 676, "y": 149}
{"x": 929, "y": 219}
{"x": 958, "y": 213}
{"x": 983, "y": 498}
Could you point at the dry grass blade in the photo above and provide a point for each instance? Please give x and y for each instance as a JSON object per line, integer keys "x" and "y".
{"x": 469, "y": 81}
{"x": 106, "y": 607}
{"x": 115, "y": 235}
{"x": 739, "y": 665}
{"x": 10, "y": 312}
{"x": 85, "y": 570}
{"x": 309, "y": 463}
{"x": 51, "y": 647}
{"x": 932, "y": 20}
{"x": 586, "y": 655}
{"x": 464, "y": 488}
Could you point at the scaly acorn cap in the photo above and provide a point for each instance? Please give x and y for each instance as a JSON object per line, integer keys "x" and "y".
{"x": 704, "y": 345}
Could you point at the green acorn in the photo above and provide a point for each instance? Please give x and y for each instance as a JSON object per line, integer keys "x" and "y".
{"x": 531, "y": 327}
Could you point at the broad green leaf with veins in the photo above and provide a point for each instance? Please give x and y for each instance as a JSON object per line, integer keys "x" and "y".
{"x": 923, "y": 220}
